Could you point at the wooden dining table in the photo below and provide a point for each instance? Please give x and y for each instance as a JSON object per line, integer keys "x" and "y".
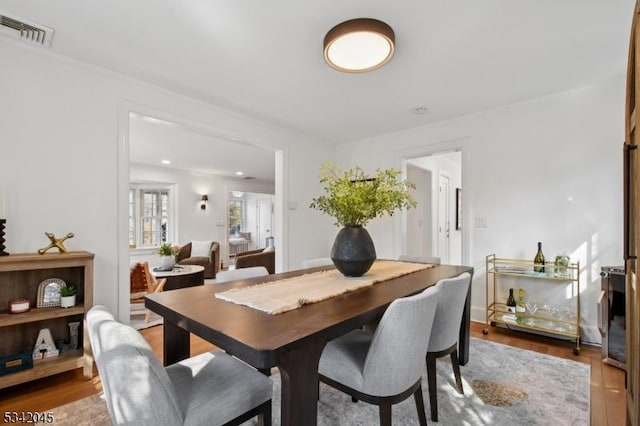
{"x": 292, "y": 341}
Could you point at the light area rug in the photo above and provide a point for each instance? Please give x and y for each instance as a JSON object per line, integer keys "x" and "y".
{"x": 502, "y": 386}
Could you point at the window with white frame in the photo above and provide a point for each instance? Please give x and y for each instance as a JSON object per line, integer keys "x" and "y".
{"x": 151, "y": 221}
{"x": 132, "y": 218}
{"x": 236, "y": 216}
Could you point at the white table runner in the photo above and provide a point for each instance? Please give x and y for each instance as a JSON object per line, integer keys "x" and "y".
{"x": 284, "y": 295}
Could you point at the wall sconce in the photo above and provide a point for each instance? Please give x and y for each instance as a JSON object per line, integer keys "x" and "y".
{"x": 203, "y": 204}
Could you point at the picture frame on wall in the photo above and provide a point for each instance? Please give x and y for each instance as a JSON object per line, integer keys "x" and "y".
{"x": 458, "y": 208}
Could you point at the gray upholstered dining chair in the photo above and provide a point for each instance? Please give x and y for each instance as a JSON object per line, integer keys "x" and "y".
{"x": 452, "y": 293}
{"x": 419, "y": 259}
{"x": 211, "y": 388}
{"x": 241, "y": 274}
{"x": 384, "y": 367}
{"x": 315, "y": 262}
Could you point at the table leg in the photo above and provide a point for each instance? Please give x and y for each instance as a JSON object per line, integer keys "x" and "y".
{"x": 299, "y": 377}
{"x": 465, "y": 330}
{"x": 177, "y": 343}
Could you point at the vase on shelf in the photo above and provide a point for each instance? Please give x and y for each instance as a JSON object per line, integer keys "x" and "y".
{"x": 561, "y": 264}
{"x": 167, "y": 262}
{"x": 68, "y": 301}
{"x": 353, "y": 251}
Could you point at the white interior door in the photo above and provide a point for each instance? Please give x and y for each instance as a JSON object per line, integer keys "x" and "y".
{"x": 444, "y": 217}
{"x": 264, "y": 222}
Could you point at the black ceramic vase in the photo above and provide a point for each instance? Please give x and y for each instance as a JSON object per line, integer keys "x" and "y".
{"x": 353, "y": 252}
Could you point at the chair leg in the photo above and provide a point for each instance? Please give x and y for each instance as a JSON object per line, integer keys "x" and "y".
{"x": 261, "y": 414}
{"x": 385, "y": 413}
{"x": 456, "y": 371}
{"x": 264, "y": 418}
{"x": 265, "y": 371}
{"x": 417, "y": 395}
{"x": 433, "y": 389}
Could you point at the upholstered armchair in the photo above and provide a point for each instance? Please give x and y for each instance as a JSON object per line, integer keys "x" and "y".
{"x": 209, "y": 258}
{"x": 260, "y": 257}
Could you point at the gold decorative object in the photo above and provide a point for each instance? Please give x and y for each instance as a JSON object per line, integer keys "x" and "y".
{"x": 56, "y": 242}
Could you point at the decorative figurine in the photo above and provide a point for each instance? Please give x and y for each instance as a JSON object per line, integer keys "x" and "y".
{"x": 56, "y": 242}
{"x": 72, "y": 344}
{"x": 3, "y": 223}
{"x": 45, "y": 347}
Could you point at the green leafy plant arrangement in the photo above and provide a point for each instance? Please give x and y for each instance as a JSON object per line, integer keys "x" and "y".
{"x": 167, "y": 249}
{"x": 353, "y": 198}
{"x": 67, "y": 290}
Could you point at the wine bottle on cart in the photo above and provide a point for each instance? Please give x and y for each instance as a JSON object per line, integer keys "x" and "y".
{"x": 538, "y": 260}
{"x": 511, "y": 302}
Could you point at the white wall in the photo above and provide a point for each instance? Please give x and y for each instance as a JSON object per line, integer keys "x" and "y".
{"x": 418, "y": 240}
{"x": 548, "y": 170}
{"x": 545, "y": 170}
{"x": 63, "y": 125}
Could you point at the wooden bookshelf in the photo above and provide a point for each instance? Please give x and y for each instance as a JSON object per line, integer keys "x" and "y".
{"x": 20, "y": 276}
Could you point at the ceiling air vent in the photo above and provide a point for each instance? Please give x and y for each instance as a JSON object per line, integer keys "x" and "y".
{"x": 27, "y": 31}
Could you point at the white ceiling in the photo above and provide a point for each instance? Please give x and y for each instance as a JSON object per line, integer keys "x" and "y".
{"x": 264, "y": 58}
{"x": 153, "y": 140}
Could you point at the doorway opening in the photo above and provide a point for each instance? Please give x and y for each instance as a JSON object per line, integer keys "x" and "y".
{"x": 433, "y": 228}
{"x": 197, "y": 152}
{"x": 250, "y": 223}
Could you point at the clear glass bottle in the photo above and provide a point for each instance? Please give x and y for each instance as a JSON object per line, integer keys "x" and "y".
{"x": 520, "y": 306}
{"x": 562, "y": 265}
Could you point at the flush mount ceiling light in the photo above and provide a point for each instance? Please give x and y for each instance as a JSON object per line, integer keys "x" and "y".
{"x": 359, "y": 45}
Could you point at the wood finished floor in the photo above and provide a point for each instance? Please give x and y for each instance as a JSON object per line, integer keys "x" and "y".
{"x": 607, "y": 383}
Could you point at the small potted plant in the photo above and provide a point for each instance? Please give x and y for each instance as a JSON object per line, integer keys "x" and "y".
{"x": 67, "y": 296}
{"x": 353, "y": 198}
{"x": 168, "y": 255}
